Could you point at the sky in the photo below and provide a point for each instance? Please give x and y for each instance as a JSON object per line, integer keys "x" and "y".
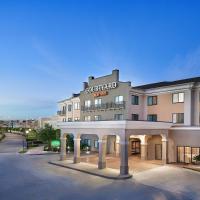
{"x": 49, "y": 47}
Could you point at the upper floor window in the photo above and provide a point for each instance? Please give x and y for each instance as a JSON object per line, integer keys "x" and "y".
{"x": 152, "y": 118}
{"x": 152, "y": 100}
{"x": 118, "y": 117}
{"x": 87, "y": 118}
{"x": 178, "y": 97}
{"x": 119, "y": 99}
{"x": 97, "y": 117}
{"x": 135, "y": 100}
{"x": 178, "y": 118}
{"x": 69, "y": 108}
{"x": 135, "y": 117}
{"x": 76, "y": 106}
{"x": 87, "y": 103}
{"x": 97, "y": 102}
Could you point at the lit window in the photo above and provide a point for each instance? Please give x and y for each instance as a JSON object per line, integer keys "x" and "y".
{"x": 119, "y": 99}
{"x": 87, "y": 118}
{"x": 96, "y": 144}
{"x": 97, "y": 117}
{"x": 87, "y": 103}
{"x": 178, "y": 97}
{"x": 76, "y": 119}
{"x": 97, "y": 102}
{"x": 77, "y": 106}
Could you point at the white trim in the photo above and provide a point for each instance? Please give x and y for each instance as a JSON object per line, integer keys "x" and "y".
{"x": 186, "y": 128}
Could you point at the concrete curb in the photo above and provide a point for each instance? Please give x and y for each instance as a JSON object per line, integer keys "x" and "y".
{"x": 93, "y": 173}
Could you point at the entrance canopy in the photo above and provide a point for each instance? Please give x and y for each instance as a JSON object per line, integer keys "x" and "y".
{"x": 114, "y": 127}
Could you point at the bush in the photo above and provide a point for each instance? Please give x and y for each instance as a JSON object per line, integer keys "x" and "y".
{"x": 197, "y": 158}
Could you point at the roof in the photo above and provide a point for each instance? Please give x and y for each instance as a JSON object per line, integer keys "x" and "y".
{"x": 73, "y": 96}
{"x": 168, "y": 83}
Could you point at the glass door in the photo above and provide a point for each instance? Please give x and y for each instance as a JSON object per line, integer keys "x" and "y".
{"x": 180, "y": 155}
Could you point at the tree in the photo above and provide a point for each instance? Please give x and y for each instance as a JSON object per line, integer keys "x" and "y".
{"x": 48, "y": 133}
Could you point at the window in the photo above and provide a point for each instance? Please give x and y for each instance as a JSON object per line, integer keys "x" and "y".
{"x": 152, "y": 118}
{"x": 118, "y": 117}
{"x": 96, "y": 144}
{"x": 64, "y": 119}
{"x": 87, "y": 118}
{"x": 119, "y": 99}
{"x": 135, "y": 100}
{"x": 152, "y": 100}
{"x": 87, "y": 103}
{"x": 178, "y": 118}
{"x": 135, "y": 117}
{"x": 77, "y": 106}
{"x": 69, "y": 119}
{"x": 97, "y": 102}
{"x": 69, "y": 108}
{"x": 76, "y": 119}
{"x": 87, "y": 142}
{"x": 178, "y": 97}
{"x": 97, "y": 117}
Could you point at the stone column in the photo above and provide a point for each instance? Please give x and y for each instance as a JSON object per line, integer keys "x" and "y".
{"x": 77, "y": 149}
{"x": 164, "y": 150}
{"x": 188, "y": 107}
{"x": 124, "y": 169}
{"x": 102, "y": 153}
{"x": 143, "y": 151}
{"x": 63, "y": 148}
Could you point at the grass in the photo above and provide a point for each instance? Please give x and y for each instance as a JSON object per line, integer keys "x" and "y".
{"x": 2, "y": 136}
{"x": 22, "y": 151}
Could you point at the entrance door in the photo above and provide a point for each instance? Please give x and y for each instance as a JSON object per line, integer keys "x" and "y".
{"x": 135, "y": 147}
{"x": 158, "y": 151}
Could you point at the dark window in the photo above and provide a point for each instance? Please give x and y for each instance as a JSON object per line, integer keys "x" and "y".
{"x": 118, "y": 117}
{"x": 178, "y": 118}
{"x": 152, "y": 118}
{"x": 69, "y": 108}
{"x": 135, "y": 100}
{"x": 135, "y": 117}
{"x": 152, "y": 100}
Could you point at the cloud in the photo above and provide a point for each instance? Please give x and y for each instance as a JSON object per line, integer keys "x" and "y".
{"x": 186, "y": 65}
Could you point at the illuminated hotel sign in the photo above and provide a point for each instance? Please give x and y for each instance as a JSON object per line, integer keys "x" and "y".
{"x": 101, "y": 89}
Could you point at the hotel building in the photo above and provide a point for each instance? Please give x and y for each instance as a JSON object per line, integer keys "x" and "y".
{"x": 158, "y": 121}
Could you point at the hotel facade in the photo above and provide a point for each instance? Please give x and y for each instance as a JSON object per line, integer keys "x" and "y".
{"x": 158, "y": 121}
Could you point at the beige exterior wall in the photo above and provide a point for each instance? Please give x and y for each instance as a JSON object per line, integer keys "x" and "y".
{"x": 74, "y": 113}
{"x": 165, "y": 108}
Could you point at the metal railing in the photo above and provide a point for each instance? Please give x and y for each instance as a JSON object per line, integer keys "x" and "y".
{"x": 105, "y": 106}
{"x": 61, "y": 112}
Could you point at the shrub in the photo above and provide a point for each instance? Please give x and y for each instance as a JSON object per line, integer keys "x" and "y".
{"x": 197, "y": 158}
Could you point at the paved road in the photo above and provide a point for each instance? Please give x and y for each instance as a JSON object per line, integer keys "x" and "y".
{"x": 31, "y": 177}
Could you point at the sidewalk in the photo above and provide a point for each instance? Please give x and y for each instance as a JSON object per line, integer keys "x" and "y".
{"x": 91, "y": 169}
{"x": 39, "y": 151}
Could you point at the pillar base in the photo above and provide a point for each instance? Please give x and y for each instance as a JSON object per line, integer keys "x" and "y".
{"x": 77, "y": 159}
{"x": 101, "y": 165}
{"x": 164, "y": 162}
{"x": 63, "y": 157}
{"x": 124, "y": 170}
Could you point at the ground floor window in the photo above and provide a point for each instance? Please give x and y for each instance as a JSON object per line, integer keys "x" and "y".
{"x": 96, "y": 144}
{"x": 186, "y": 154}
{"x": 135, "y": 147}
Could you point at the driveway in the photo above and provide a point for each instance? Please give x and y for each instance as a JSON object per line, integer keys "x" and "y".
{"x": 31, "y": 177}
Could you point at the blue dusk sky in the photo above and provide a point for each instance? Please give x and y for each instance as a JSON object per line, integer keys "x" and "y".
{"x": 49, "y": 47}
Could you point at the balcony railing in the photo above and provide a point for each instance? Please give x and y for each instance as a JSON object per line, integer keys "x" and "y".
{"x": 105, "y": 106}
{"x": 61, "y": 112}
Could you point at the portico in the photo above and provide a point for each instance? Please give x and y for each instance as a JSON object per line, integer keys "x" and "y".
{"x": 123, "y": 130}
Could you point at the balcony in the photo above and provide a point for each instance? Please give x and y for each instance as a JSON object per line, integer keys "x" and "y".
{"x": 104, "y": 106}
{"x": 61, "y": 112}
